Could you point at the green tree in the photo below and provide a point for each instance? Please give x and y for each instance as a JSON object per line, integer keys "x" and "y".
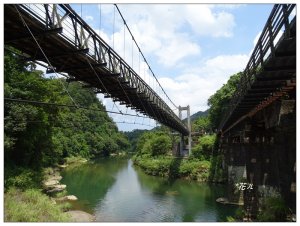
{"x": 27, "y": 128}
{"x": 160, "y": 144}
{"x": 202, "y": 124}
{"x": 219, "y": 102}
{"x": 204, "y": 149}
{"x": 154, "y": 144}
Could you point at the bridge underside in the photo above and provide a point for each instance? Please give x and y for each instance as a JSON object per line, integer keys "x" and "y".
{"x": 95, "y": 63}
{"x": 275, "y": 79}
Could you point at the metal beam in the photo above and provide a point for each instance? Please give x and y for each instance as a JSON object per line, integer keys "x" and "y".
{"x": 36, "y": 35}
{"x": 62, "y": 69}
{"x": 67, "y": 54}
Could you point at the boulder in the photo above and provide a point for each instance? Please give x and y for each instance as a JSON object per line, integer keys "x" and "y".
{"x": 57, "y": 188}
{"x": 222, "y": 200}
{"x": 80, "y": 216}
{"x": 67, "y": 198}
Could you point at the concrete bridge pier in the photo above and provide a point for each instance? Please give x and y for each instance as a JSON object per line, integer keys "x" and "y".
{"x": 260, "y": 152}
{"x": 183, "y": 149}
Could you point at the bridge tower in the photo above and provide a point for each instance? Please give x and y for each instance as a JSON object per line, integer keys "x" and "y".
{"x": 182, "y": 146}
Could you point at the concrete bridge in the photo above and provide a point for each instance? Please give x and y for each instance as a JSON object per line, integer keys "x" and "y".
{"x": 258, "y": 132}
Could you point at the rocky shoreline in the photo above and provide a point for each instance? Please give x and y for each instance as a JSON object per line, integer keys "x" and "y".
{"x": 52, "y": 186}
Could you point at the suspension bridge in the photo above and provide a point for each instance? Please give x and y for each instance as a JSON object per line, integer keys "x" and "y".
{"x": 258, "y": 130}
{"x": 58, "y": 36}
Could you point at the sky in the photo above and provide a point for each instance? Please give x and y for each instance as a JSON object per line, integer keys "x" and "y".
{"x": 192, "y": 49}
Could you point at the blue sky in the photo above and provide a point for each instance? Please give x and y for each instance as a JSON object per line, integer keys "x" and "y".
{"x": 192, "y": 48}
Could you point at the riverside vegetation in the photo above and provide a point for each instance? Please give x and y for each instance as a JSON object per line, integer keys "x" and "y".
{"x": 40, "y": 136}
{"x": 154, "y": 153}
{"x": 37, "y": 137}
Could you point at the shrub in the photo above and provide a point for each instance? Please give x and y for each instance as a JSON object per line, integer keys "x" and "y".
{"x": 273, "y": 209}
{"x": 205, "y": 147}
{"x": 22, "y": 178}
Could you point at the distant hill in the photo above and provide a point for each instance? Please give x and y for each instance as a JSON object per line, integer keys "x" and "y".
{"x": 197, "y": 115}
{"x": 133, "y": 137}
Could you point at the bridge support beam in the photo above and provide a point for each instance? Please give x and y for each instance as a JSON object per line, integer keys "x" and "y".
{"x": 260, "y": 153}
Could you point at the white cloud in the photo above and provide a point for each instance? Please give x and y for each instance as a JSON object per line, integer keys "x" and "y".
{"x": 205, "y": 22}
{"x": 89, "y": 18}
{"x": 162, "y": 29}
{"x": 256, "y": 38}
{"x": 178, "y": 48}
{"x": 197, "y": 84}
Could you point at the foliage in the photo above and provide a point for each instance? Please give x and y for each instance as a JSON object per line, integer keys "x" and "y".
{"x": 154, "y": 144}
{"x": 230, "y": 219}
{"x": 203, "y": 150}
{"x": 171, "y": 167}
{"x": 217, "y": 174}
{"x": 201, "y": 124}
{"x": 23, "y": 178}
{"x": 38, "y": 135}
{"x": 219, "y": 102}
{"x": 31, "y": 206}
{"x": 27, "y": 128}
{"x": 133, "y": 137}
{"x": 274, "y": 209}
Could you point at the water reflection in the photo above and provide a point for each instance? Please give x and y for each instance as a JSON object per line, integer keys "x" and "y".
{"x": 118, "y": 192}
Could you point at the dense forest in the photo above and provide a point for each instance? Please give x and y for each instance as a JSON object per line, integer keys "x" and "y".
{"x": 38, "y": 135}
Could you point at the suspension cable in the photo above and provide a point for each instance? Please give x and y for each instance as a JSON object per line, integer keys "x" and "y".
{"x": 114, "y": 30}
{"x": 143, "y": 56}
{"x": 23, "y": 101}
{"x": 100, "y": 19}
{"x": 100, "y": 80}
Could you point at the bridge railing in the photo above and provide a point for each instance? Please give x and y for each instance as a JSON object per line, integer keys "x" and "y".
{"x": 278, "y": 20}
{"x": 78, "y": 33}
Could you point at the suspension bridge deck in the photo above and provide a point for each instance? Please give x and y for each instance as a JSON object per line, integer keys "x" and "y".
{"x": 56, "y": 35}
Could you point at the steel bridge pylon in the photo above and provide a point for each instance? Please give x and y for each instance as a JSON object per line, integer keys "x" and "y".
{"x": 182, "y": 146}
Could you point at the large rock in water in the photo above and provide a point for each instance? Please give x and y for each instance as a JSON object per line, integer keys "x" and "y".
{"x": 80, "y": 216}
{"x": 67, "y": 198}
{"x": 222, "y": 200}
{"x": 57, "y": 188}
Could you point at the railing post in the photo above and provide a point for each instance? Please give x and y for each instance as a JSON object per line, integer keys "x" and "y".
{"x": 271, "y": 40}
{"x": 286, "y": 21}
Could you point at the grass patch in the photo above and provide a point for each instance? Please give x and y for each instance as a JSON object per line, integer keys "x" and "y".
{"x": 31, "y": 206}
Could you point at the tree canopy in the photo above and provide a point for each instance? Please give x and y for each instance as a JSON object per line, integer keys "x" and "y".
{"x": 219, "y": 102}
{"x": 39, "y": 135}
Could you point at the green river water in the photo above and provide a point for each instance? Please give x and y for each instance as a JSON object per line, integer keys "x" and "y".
{"x": 116, "y": 191}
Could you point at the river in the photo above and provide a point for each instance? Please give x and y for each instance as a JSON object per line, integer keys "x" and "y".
{"x": 116, "y": 191}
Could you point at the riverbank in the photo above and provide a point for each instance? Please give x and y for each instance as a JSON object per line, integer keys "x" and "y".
{"x": 38, "y": 196}
{"x": 171, "y": 167}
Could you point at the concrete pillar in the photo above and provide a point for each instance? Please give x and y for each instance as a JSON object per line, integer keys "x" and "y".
{"x": 189, "y": 128}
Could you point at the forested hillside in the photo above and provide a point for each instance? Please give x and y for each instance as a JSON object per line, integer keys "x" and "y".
{"x": 38, "y": 135}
